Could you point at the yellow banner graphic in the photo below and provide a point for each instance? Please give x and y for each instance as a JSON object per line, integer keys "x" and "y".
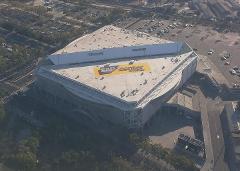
{"x": 109, "y": 70}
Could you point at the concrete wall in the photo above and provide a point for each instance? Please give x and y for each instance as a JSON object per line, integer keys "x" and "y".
{"x": 85, "y": 91}
{"x": 116, "y": 53}
{"x": 152, "y": 107}
{"x": 57, "y": 97}
{"x": 188, "y": 71}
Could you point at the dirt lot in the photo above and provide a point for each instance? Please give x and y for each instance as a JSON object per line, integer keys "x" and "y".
{"x": 204, "y": 39}
{"x": 201, "y": 38}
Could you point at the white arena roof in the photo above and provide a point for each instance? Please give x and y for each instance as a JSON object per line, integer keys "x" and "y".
{"x": 123, "y": 84}
{"x": 110, "y": 37}
{"x": 122, "y": 68}
{"x": 112, "y": 42}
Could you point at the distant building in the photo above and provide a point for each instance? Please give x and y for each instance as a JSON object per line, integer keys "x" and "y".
{"x": 114, "y": 74}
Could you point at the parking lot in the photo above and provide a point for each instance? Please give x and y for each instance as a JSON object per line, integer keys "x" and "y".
{"x": 204, "y": 40}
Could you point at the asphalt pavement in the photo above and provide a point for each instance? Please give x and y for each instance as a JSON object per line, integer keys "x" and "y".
{"x": 214, "y": 109}
{"x": 212, "y": 133}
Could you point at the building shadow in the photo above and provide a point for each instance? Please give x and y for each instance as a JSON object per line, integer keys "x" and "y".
{"x": 172, "y": 118}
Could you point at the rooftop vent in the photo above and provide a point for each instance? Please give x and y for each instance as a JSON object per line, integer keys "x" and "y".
{"x": 131, "y": 62}
{"x": 145, "y": 82}
{"x": 63, "y": 52}
{"x": 134, "y": 92}
{"x": 122, "y": 93}
{"x": 107, "y": 65}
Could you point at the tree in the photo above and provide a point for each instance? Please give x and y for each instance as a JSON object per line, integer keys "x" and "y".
{"x": 32, "y": 143}
{"x": 22, "y": 160}
{"x": 238, "y": 106}
{"x": 2, "y": 112}
{"x": 25, "y": 160}
{"x": 134, "y": 138}
{"x": 25, "y": 155}
{"x": 181, "y": 162}
{"x": 70, "y": 158}
{"x": 3, "y": 63}
{"x": 177, "y": 161}
{"x": 76, "y": 160}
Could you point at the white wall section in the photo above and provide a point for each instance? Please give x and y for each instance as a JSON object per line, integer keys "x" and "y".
{"x": 116, "y": 53}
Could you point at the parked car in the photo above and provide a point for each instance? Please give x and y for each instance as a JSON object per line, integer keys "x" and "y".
{"x": 233, "y": 72}
{"x": 223, "y": 58}
{"x": 227, "y": 63}
{"x": 235, "y": 68}
{"x": 210, "y": 52}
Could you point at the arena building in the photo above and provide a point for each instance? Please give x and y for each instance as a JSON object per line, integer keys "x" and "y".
{"x": 117, "y": 75}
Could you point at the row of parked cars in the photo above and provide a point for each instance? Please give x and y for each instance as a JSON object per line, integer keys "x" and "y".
{"x": 235, "y": 70}
{"x": 225, "y": 57}
{"x": 159, "y": 26}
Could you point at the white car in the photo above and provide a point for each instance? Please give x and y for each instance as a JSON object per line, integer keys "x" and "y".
{"x": 227, "y": 63}
{"x": 210, "y": 52}
{"x": 189, "y": 117}
{"x": 223, "y": 58}
{"x": 233, "y": 72}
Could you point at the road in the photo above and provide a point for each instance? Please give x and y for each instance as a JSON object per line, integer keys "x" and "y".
{"x": 226, "y": 123}
{"x": 109, "y": 5}
{"x": 212, "y": 133}
{"x": 214, "y": 110}
{"x": 208, "y": 165}
{"x": 125, "y": 7}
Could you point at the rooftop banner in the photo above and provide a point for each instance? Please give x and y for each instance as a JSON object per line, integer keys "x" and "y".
{"x": 121, "y": 69}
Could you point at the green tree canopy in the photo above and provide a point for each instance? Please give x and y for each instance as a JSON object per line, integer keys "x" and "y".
{"x": 2, "y": 112}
